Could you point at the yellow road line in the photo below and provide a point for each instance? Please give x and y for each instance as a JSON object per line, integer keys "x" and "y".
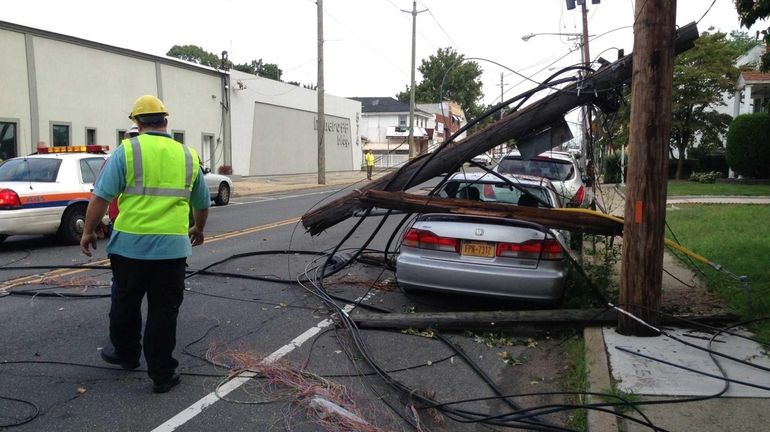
{"x": 68, "y": 272}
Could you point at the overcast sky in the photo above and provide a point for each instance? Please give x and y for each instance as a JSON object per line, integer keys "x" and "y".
{"x": 367, "y": 42}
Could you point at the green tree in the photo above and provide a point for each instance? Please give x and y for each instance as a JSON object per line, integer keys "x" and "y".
{"x": 195, "y": 54}
{"x": 749, "y": 12}
{"x": 258, "y": 67}
{"x": 701, "y": 75}
{"x": 446, "y": 75}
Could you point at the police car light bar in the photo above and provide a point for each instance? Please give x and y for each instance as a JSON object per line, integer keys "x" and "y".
{"x": 74, "y": 149}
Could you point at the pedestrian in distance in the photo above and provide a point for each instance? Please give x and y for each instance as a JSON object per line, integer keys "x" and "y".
{"x": 156, "y": 183}
{"x": 369, "y": 164}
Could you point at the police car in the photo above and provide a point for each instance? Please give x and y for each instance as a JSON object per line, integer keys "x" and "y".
{"x": 47, "y": 193}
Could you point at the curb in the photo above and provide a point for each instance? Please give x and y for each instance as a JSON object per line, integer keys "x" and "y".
{"x": 598, "y": 380}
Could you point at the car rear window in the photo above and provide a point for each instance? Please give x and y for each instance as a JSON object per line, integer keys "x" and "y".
{"x": 30, "y": 170}
{"x": 552, "y": 169}
{"x": 494, "y": 192}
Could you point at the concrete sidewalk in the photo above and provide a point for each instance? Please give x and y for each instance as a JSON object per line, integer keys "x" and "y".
{"x": 651, "y": 380}
{"x": 256, "y": 185}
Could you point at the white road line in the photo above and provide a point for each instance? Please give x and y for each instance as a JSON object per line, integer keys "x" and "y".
{"x": 193, "y": 410}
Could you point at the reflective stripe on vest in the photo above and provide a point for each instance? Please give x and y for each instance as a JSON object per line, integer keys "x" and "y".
{"x": 138, "y": 187}
{"x": 159, "y": 180}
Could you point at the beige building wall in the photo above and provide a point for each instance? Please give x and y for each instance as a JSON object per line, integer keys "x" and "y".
{"x": 63, "y": 80}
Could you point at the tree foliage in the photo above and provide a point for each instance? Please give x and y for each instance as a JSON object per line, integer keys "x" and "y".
{"x": 748, "y": 145}
{"x": 446, "y": 75}
{"x": 260, "y": 68}
{"x": 750, "y": 11}
{"x": 196, "y": 54}
{"x": 701, "y": 75}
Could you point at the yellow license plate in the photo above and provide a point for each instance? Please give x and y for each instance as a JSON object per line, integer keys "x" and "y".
{"x": 479, "y": 249}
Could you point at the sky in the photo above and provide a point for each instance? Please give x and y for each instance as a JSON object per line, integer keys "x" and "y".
{"x": 367, "y": 43}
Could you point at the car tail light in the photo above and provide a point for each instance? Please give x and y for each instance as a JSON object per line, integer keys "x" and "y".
{"x": 577, "y": 199}
{"x": 9, "y": 200}
{"x": 548, "y": 249}
{"x": 424, "y": 239}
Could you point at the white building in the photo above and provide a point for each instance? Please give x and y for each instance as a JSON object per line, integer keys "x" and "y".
{"x": 274, "y": 128}
{"x": 752, "y": 89}
{"x": 385, "y": 130}
{"x": 65, "y": 90}
{"x": 69, "y": 91}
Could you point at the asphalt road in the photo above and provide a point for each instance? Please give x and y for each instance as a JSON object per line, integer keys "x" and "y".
{"x": 49, "y": 358}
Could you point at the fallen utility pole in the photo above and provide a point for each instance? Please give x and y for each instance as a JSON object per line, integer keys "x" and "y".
{"x": 506, "y": 319}
{"x": 598, "y": 89}
{"x": 412, "y": 203}
{"x": 641, "y": 274}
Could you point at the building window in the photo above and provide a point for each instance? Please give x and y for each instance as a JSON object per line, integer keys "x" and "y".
{"x": 60, "y": 134}
{"x": 121, "y": 136}
{"x": 761, "y": 105}
{"x": 402, "y": 120}
{"x": 90, "y": 136}
{"x": 179, "y": 136}
{"x": 8, "y": 139}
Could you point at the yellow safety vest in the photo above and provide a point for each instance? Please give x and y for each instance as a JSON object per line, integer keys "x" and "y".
{"x": 369, "y": 159}
{"x": 160, "y": 174}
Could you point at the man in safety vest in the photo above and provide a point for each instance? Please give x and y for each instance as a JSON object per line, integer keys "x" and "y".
{"x": 369, "y": 164}
{"x": 156, "y": 180}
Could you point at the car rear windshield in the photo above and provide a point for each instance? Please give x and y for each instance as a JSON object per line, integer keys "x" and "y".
{"x": 496, "y": 192}
{"x": 30, "y": 170}
{"x": 552, "y": 169}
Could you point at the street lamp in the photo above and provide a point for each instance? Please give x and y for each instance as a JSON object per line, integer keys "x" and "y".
{"x": 531, "y": 35}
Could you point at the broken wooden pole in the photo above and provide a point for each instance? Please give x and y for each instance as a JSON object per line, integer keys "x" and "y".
{"x": 598, "y": 89}
{"x": 508, "y": 319}
{"x": 556, "y": 219}
{"x": 641, "y": 274}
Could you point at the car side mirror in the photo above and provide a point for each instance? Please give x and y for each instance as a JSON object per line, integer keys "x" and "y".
{"x": 206, "y": 170}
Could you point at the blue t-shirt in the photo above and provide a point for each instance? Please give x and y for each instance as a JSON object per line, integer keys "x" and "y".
{"x": 112, "y": 181}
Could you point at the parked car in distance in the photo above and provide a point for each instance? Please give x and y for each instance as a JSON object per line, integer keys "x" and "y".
{"x": 47, "y": 193}
{"x": 220, "y": 187}
{"x": 486, "y": 256}
{"x": 482, "y": 159}
{"x": 560, "y": 167}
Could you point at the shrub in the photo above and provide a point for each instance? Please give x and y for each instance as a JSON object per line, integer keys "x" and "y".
{"x": 612, "y": 171}
{"x": 225, "y": 169}
{"x": 748, "y": 145}
{"x": 705, "y": 177}
{"x": 688, "y": 166}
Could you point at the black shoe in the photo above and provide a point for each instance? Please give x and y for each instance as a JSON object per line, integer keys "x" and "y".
{"x": 166, "y": 385}
{"x": 108, "y": 354}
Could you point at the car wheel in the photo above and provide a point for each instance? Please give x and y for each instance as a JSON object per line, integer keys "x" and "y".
{"x": 72, "y": 223}
{"x": 223, "y": 195}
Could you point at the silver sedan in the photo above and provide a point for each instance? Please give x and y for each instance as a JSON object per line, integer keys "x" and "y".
{"x": 486, "y": 256}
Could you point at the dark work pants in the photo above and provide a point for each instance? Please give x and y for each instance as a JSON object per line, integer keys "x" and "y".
{"x": 369, "y": 169}
{"x": 163, "y": 282}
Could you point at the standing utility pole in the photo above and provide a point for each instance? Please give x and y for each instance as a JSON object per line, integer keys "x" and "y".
{"x": 321, "y": 123}
{"x": 587, "y": 108}
{"x": 414, "y": 13}
{"x": 650, "y": 129}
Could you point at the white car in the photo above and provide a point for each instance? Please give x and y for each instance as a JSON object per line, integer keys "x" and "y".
{"x": 482, "y": 159}
{"x": 560, "y": 167}
{"x": 47, "y": 193}
{"x": 220, "y": 187}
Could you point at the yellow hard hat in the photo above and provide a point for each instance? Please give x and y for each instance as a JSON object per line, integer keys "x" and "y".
{"x": 147, "y": 104}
